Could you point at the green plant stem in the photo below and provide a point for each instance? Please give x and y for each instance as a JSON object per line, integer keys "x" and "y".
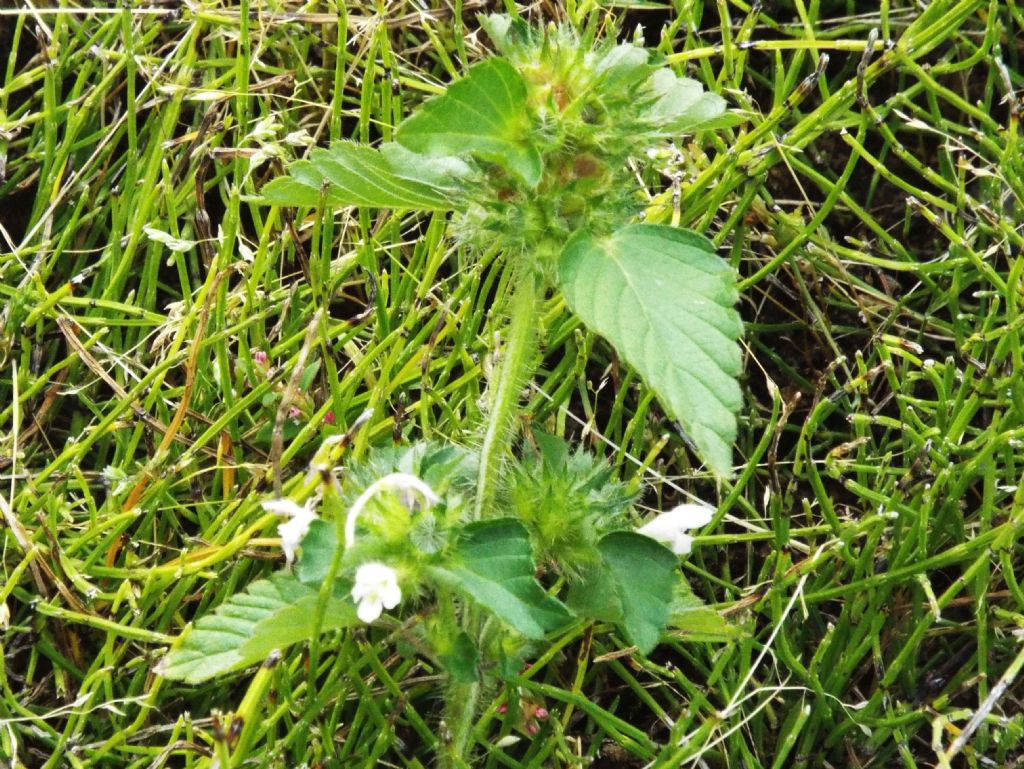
{"x": 460, "y": 712}
{"x": 463, "y": 698}
{"x": 505, "y": 387}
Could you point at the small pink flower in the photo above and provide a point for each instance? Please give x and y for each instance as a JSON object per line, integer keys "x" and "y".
{"x": 329, "y": 418}
{"x": 541, "y": 714}
{"x": 503, "y": 708}
{"x": 260, "y": 357}
{"x": 294, "y": 412}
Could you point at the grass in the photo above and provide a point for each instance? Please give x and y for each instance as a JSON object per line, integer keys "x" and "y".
{"x": 866, "y": 551}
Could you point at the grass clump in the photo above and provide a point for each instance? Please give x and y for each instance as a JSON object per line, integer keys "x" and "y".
{"x": 173, "y": 352}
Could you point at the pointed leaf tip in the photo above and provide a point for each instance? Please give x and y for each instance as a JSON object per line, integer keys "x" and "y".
{"x": 352, "y": 175}
{"x": 484, "y": 113}
{"x": 665, "y": 301}
{"x": 269, "y": 614}
{"x": 493, "y": 566}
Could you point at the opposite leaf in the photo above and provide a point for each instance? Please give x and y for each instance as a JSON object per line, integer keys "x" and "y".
{"x": 362, "y": 176}
{"x": 493, "y": 565}
{"x": 485, "y": 113}
{"x": 271, "y": 614}
{"x": 682, "y": 104}
{"x": 665, "y": 301}
{"x": 632, "y": 588}
{"x": 317, "y": 553}
{"x": 461, "y": 659}
{"x": 696, "y": 620}
{"x": 509, "y": 34}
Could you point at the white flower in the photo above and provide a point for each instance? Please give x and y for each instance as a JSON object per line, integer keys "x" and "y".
{"x": 294, "y": 529}
{"x": 670, "y": 528}
{"x": 376, "y": 589}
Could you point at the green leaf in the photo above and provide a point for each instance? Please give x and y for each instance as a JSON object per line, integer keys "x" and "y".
{"x": 441, "y": 172}
{"x": 665, "y": 301}
{"x": 554, "y": 451}
{"x": 509, "y": 35}
{"x": 728, "y": 119}
{"x": 484, "y": 113}
{"x": 270, "y": 614}
{"x": 633, "y": 588}
{"x": 622, "y": 67}
{"x": 492, "y": 565}
{"x": 461, "y": 659}
{"x": 316, "y": 553}
{"x": 681, "y": 104}
{"x": 265, "y": 436}
{"x": 285, "y": 191}
{"x": 697, "y": 620}
{"x": 594, "y": 596}
{"x": 363, "y": 176}
{"x": 308, "y": 375}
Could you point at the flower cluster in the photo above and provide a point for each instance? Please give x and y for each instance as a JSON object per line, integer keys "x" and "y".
{"x": 376, "y": 584}
{"x": 590, "y": 109}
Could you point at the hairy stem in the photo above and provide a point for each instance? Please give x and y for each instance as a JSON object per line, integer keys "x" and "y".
{"x": 505, "y": 387}
{"x": 460, "y": 712}
{"x": 462, "y": 701}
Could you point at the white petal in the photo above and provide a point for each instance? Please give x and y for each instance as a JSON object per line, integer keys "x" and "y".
{"x": 409, "y": 482}
{"x": 286, "y": 507}
{"x": 368, "y": 611}
{"x": 361, "y": 592}
{"x": 670, "y": 528}
{"x": 289, "y": 551}
{"x": 682, "y": 545}
{"x": 390, "y": 595}
{"x": 662, "y": 528}
{"x": 376, "y": 585}
{"x": 295, "y": 529}
{"x": 292, "y": 533}
{"x": 375, "y": 573}
{"x": 692, "y": 516}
